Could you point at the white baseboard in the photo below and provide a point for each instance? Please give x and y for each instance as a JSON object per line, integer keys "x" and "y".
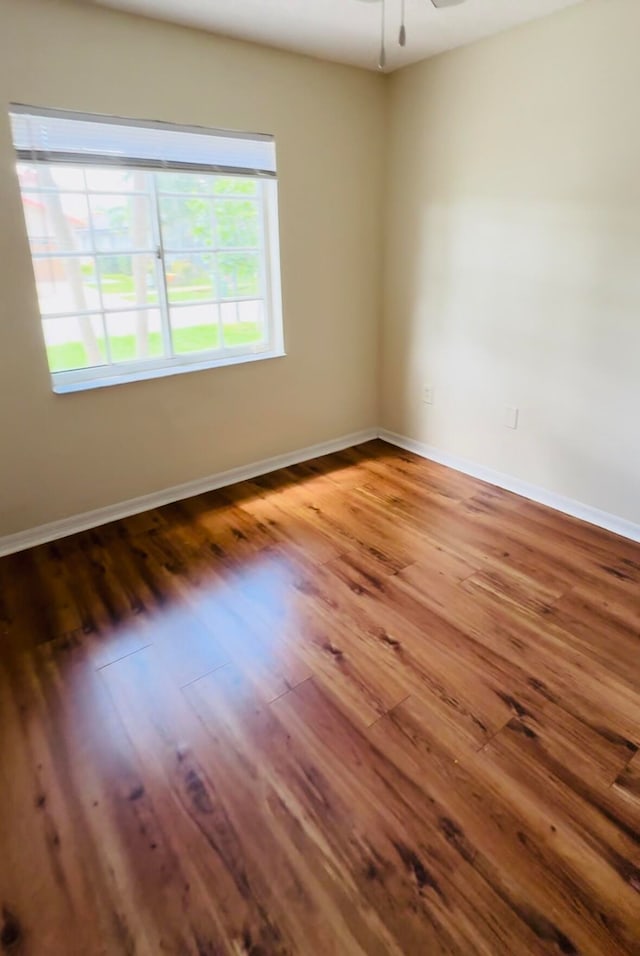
{"x": 568, "y": 506}
{"x": 123, "y": 509}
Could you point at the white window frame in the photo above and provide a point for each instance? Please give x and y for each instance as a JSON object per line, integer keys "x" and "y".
{"x": 114, "y": 373}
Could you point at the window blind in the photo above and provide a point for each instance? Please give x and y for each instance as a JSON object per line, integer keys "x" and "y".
{"x": 56, "y": 136}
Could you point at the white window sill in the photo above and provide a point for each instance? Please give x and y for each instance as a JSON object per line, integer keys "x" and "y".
{"x": 61, "y": 387}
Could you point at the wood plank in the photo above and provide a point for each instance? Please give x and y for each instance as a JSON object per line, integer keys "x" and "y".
{"x": 627, "y": 785}
{"x": 486, "y": 826}
{"x": 285, "y": 529}
{"x": 225, "y": 606}
{"x": 449, "y": 661}
{"x": 196, "y": 801}
{"x": 433, "y": 899}
{"x": 87, "y": 867}
{"x": 287, "y": 819}
{"x": 585, "y": 840}
{"x": 555, "y": 667}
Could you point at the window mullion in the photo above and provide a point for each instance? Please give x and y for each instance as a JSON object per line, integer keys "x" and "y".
{"x": 96, "y": 262}
{"x": 265, "y": 264}
{"x": 216, "y": 273}
{"x": 163, "y": 292}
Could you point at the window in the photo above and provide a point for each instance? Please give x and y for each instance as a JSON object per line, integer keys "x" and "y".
{"x": 154, "y": 247}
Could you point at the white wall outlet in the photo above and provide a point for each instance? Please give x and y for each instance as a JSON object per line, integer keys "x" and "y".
{"x": 427, "y": 394}
{"x": 511, "y": 415}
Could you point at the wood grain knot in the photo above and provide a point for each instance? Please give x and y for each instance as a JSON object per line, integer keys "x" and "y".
{"x": 11, "y": 931}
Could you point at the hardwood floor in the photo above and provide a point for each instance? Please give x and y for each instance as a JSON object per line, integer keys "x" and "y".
{"x": 364, "y": 705}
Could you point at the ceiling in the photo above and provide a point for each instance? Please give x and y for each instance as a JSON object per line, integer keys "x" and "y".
{"x": 347, "y": 31}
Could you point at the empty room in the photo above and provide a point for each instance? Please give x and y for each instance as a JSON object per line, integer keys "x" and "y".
{"x": 319, "y": 478}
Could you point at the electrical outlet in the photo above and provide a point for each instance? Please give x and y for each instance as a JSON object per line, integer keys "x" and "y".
{"x": 427, "y": 394}
{"x": 511, "y": 415}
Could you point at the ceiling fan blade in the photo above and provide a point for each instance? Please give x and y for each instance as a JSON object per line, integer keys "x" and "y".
{"x": 446, "y": 3}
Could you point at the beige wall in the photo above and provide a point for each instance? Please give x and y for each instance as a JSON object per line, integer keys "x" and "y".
{"x": 64, "y": 454}
{"x": 513, "y": 253}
